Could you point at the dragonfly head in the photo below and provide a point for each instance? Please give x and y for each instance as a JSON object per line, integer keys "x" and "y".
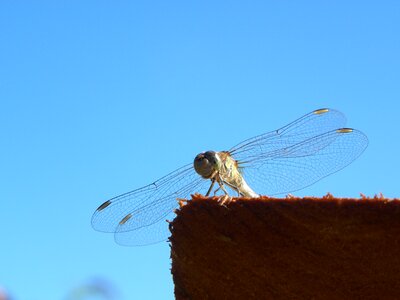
{"x": 206, "y": 163}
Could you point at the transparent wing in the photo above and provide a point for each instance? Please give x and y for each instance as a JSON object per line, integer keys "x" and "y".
{"x": 310, "y": 125}
{"x": 283, "y": 169}
{"x": 147, "y": 235}
{"x": 145, "y": 210}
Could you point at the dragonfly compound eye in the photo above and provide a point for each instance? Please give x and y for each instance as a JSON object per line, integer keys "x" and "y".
{"x": 204, "y": 164}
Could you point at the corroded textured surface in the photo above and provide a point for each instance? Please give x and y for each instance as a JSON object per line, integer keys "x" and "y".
{"x": 268, "y": 248}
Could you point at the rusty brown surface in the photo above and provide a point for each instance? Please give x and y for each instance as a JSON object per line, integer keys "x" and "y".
{"x": 293, "y": 248}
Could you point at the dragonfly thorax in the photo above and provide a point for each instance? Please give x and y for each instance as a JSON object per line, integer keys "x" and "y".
{"x": 207, "y": 163}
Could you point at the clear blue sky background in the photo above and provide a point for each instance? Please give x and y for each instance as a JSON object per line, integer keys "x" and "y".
{"x": 99, "y": 97}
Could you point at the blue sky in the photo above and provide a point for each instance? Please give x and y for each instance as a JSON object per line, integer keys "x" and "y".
{"x": 98, "y": 98}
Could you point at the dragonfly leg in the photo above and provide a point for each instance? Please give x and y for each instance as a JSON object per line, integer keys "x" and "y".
{"x": 237, "y": 191}
{"x": 233, "y": 187}
{"x": 211, "y": 186}
{"x": 221, "y": 185}
{"x": 216, "y": 190}
{"x": 225, "y": 199}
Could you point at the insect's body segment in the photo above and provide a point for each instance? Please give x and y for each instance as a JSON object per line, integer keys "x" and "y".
{"x": 222, "y": 168}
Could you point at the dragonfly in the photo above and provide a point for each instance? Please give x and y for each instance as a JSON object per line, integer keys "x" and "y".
{"x": 281, "y": 161}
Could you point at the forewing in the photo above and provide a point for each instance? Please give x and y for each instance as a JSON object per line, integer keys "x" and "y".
{"x": 290, "y": 168}
{"x": 145, "y": 206}
{"x": 310, "y": 125}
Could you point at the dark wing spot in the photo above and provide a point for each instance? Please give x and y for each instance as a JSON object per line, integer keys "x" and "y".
{"x": 321, "y": 111}
{"x": 344, "y": 130}
{"x": 125, "y": 219}
{"x": 104, "y": 205}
